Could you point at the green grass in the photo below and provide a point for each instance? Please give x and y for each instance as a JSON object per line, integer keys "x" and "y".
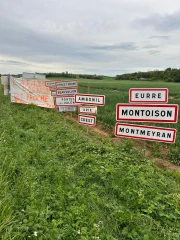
{"x": 58, "y": 183}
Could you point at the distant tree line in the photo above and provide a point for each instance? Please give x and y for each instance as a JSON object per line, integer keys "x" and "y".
{"x": 71, "y": 75}
{"x": 168, "y": 75}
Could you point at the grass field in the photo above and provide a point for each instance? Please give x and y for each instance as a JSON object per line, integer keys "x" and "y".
{"x": 118, "y": 92}
{"x": 57, "y": 182}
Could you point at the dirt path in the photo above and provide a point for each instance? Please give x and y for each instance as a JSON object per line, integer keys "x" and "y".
{"x": 161, "y": 163}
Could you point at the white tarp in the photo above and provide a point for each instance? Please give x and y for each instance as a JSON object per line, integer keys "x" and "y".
{"x": 31, "y": 91}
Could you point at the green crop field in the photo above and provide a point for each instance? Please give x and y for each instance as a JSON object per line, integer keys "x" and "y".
{"x": 59, "y": 182}
{"x": 117, "y": 91}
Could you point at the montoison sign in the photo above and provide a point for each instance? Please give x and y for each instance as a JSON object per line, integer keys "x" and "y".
{"x": 87, "y": 120}
{"x": 142, "y": 132}
{"x": 90, "y": 99}
{"x": 148, "y": 95}
{"x": 164, "y": 113}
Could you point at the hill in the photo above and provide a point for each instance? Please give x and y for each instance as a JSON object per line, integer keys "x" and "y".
{"x": 168, "y": 75}
{"x": 58, "y": 182}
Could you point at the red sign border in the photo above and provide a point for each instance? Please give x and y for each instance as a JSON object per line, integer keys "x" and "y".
{"x": 147, "y": 105}
{"x": 66, "y": 93}
{"x": 68, "y": 106}
{"x": 67, "y": 87}
{"x": 144, "y": 126}
{"x": 87, "y": 107}
{"x": 86, "y": 123}
{"x": 95, "y": 95}
{"x": 146, "y": 89}
{"x": 51, "y": 81}
{"x": 65, "y": 104}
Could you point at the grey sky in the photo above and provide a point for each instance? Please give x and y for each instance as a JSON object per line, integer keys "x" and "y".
{"x": 94, "y": 36}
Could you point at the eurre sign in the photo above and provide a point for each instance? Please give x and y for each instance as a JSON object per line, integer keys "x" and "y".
{"x": 90, "y": 99}
{"x": 164, "y": 113}
{"x": 148, "y": 95}
{"x": 149, "y": 133}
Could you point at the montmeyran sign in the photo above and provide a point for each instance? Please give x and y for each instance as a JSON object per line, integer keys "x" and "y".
{"x": 142, "y": 132}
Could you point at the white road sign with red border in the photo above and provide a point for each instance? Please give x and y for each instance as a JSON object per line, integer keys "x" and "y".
{"x": 66, "y": 91}
{"x": 142, "y": 132}
{"x": 66, "y": 109}
{"x": 90, "y": 99}
{"x": 65, "y": 100}
{"x": 87, "y": 120}
{"x": 88, "y": 109}
{"x": 164, "y": 113}
{"x": 67, "y": 84}
{"x": 148, "y": 95}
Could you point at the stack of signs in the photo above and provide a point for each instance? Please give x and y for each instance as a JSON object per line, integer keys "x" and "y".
{"x": 147, "y": 105}
{"x": 64, "y": 94}
{"x": 92, "y": 101}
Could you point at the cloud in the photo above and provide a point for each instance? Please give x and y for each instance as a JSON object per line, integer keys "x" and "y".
{"x": 160, "y": 22}
{"x": 12, "y": 62}
{"x": 149, "y": 46}
{"x": 154, "y": 52}
{"x": 160, "y": 37}
{"x": 126, "y": 46}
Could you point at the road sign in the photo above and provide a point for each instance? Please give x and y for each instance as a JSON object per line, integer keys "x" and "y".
{"x": 53, "y": 91}
{"x": 149, "y": 133}
{"x": 50, "y": 84}
{"x": 88, "y": 109}
{"x": 66, "y": 91}
{"x": 87, "y": 120}
{"x": 65, "y": 100}
{"x": 66, "y": 109}
{"x": 67, "y": 84}
{"x": 148, "y": 95}
{"x": 90, "y": 99}
{"x": 147, "y": 112}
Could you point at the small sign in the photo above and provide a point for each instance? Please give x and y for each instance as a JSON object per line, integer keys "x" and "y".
{"x": 148, "y": 95}
{"x": 66, "y": 91}
{"x": 87, "y": 120}
{"x": 149, "y": 133}
{"x": 165, "y": 113}
{"x": 67, "y": 84}
{"x": 50, "y": 84}
{"x": 65, "y": 100}
{"x": 53, "y": 91}
{"x": 90, "y": 99}
{"x": 66, "y": 109}
{"x": 88, "y": 109}
{"x": 4, "y": 80}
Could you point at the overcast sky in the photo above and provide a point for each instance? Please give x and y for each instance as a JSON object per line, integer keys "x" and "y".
{"x": 106, "y": 37}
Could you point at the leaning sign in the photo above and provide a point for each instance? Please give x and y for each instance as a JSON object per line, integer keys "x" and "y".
{"x": 87, "y": 120}
{"x": 142, "y": 132}
{"x": 164, "y": 113}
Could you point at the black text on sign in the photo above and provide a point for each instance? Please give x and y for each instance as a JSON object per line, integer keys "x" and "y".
{"x": 147, "y": 113}
{"x": 87, "y": 120}
{"x": 142, "y": 132}
{"x": 148, "y": 95}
